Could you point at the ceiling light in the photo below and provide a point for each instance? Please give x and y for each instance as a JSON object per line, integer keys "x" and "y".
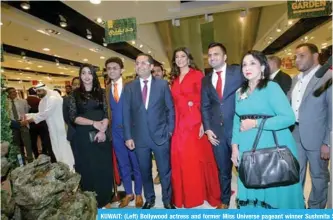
{"x": 2, "y": 70}
{"x": 39, "y": 66}
{"x": 306, "y": 37}
{"x": 61, "y": 73}
{"x": 290, "y": 22}
{"x": 56, "y": 55}
{"x": 141, "y": 45}
{"x": 99, "y": 20}
{"x": 89, "y": 35}
{"x": 21, "y": 73}
{"x": 289, "y": 54}
{"x": 95, "y": 2}
{"x": 324, "y": 44}
{"x": 311, "y": 38}
{"x": 133, "y": 42}
{"x": 25, "y": 5}
{"x": 20, "y": 61}
{"x": 278, "y": 30}
{"x": 243, "y": 13}
{"x": 269, "y": 42}
{"x": 1, "y": 23}
{"x": 27, "y": 68}
{"x": 63, "y": 22}
{"x": 18, "y": 78}
{"x": 46, "y": 49}
{"x": 28, "y": 77}
{"x": 149, "y": 52}
{"x": 271, "y": 38}
{"x": 209, "y": 17}
{"x": 176, "y": 22}
{"x": 72, "y": 71}
{"x": 85, "y": 60}
{"x": 102, "y": 57}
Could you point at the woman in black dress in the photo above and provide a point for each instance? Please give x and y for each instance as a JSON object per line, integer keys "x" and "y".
{"x": 93, "y": 157}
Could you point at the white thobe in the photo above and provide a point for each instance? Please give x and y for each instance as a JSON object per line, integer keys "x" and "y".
{"x": 50, "y": 110}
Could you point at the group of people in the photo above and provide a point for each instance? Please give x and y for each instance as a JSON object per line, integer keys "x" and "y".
{"x": 197, "y": 127}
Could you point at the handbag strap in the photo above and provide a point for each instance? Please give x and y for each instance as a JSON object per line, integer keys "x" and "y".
{"x": 260, "y": 129}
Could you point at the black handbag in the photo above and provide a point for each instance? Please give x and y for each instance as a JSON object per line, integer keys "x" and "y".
{"x": 268, "y": 167}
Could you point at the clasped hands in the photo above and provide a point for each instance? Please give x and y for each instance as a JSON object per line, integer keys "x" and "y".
{"x": 101, "y": 126}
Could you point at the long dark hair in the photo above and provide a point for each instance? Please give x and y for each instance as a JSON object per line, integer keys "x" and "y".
{"x": 96, "y": 91}
{"x": 265, "y": 75}
{"x": 175, "y": 71}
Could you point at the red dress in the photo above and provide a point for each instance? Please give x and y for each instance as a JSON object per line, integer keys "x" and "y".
{"x": 194, "y": 174}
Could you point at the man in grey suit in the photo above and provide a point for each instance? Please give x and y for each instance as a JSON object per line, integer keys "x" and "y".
{"x": 312, "y": 131}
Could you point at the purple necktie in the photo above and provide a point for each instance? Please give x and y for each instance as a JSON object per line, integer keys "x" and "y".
{"x": 144, "y": 92}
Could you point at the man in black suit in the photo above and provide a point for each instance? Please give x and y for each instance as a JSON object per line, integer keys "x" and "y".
{"x": 218, "y": 110}
{"x": 281, "y": 78}
{"x": 148, "y": 120}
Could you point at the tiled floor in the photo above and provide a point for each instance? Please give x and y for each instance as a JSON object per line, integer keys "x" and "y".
{"x": 159, "y": 204}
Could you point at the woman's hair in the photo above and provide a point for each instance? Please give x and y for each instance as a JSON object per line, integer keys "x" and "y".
{"x": 96, "y": 91}
{"x": 264, "y": 75}
{"x": 175, "y": 71}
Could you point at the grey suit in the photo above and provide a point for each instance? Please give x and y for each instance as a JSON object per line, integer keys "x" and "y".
{"x": 314, "y": 130}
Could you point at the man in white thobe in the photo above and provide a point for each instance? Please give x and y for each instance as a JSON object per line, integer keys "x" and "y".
{"x": 50, "y": 110}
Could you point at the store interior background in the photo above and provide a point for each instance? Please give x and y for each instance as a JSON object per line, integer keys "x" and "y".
{"x": 39, "y": 48}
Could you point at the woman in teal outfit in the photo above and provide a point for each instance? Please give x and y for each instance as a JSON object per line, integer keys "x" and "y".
{"x": 259, "y": 96}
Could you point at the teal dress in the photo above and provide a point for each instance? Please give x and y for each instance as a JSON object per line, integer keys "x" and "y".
{"x": 270, "y": 100}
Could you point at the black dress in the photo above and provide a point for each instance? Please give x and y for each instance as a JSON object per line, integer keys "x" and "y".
{"x": 92, "y": 160}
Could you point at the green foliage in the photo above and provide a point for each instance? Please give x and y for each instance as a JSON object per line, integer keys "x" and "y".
{"x": 6, "y": 133}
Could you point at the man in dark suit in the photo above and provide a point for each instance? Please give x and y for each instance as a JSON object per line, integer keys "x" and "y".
{"x": 148, "y": 120}
{"x": 281, "y": 78}
{"x": 218, "y": 110}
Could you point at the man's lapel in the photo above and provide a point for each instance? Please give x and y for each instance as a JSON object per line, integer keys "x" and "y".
{"x": 152, "y": 95}
{"x": 138, "y": 93}
{"x": 309, "y": 89}
{"x": 211, "y": 88}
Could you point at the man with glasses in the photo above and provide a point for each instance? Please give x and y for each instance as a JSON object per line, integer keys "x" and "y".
{"x": 126, "y": 158}
{"x": 17, "y": 108}
{"x": 148, "y": 117}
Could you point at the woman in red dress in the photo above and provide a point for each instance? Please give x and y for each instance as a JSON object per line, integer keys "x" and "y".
{"x": 194, "y": 175}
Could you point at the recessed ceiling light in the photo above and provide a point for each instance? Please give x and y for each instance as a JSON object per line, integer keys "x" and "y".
{"x": 25, "y": 5}
{"x": 311, "y": 38}
{"x": 324, "y": 44}
{"x": 85, "y": 60}
{"x": 72, "y": 71}
{"x": 141, "y": 46}
{"x": 133, "y": 42}
{"x": 99, "y": 20}
{"x": 269, "y": 42}
{"x": 95, "y": 2}
{"x": 18, "y": 78}
{"x": 46, "y": 49}
{"x": 61, "y": 73}
{"x": 278, "y": 30}
{"x": 102, "y": 57}
{"x": 290, "y": 22}
{"x": 271, "y": 38}
{"x": 27, "y": 68}
{"x": 149, "y": 52}
{"x": 28, "y": 77}
{"x": 1, "y": 23}
{"x": 39, "y": 66}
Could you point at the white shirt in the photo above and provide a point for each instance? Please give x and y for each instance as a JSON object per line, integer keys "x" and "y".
{"x": 119, "y": 86}
{"x": 22, "y": 108}
{"x": 148, "y": 89}
{"x": 299, "y": 90}
{"x": 215, "y": 76}
{"x": 272, "y": 76}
